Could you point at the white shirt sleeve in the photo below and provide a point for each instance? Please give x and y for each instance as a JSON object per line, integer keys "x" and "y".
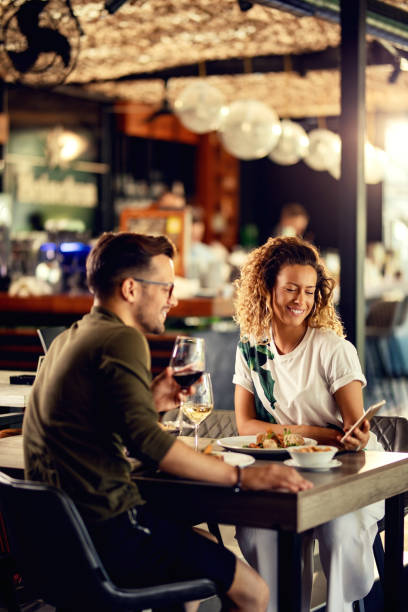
{"x": 343, "y": 366}
{"x": 242, "y": 375}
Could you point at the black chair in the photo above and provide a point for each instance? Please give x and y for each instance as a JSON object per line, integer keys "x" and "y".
{"x": 220, "y": 362}
{"x": 58, "y": 561}
{"x": 392, "y": 433}
{"x": 387, "y": 338}
{"x": 47, "y": 335}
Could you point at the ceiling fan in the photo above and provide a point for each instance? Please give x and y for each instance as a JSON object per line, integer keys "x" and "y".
{"x": 38, "y": 48}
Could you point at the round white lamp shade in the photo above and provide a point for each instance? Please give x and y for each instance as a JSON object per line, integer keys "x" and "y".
{"x": 250, "y": 130}
{"x": 200, "y": 107}
{"x": 374, "y": 164}
{"x": 292, "y": 145}
{"x": 324, "y": 149}
{"x": 335, "y": 167}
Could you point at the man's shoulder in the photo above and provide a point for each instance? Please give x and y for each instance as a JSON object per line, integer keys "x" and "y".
{"x": 103, "y": 331}
{"x": 123, "y": 335}
{"x": 107, "y": 323}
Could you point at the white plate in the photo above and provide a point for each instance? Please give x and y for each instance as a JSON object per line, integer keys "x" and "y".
{"x": 332, "y": 464}
{"x": 235, "y": 458}
{"x": 239, "y": 443}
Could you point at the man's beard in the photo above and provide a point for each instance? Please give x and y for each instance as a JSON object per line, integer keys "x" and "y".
{"x": 146, "y": 325}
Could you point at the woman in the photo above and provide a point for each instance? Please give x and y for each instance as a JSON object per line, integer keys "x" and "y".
{"x": 294, "y": 369}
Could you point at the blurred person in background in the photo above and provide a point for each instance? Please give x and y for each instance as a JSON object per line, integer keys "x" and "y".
{"x": 207, "y": 262}
{"x": 293, "y": 221}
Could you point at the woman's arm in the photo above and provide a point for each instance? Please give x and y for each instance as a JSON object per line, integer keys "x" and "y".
{"x": 248, "y": 424}
{"x": 350, "y": 402}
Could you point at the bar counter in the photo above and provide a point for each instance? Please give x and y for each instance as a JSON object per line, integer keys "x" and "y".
{"x": 46, "y": 310}
{"x": 21, "y": 316}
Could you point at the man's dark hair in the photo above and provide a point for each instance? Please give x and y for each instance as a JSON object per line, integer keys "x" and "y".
{"x": 115, "y": 256}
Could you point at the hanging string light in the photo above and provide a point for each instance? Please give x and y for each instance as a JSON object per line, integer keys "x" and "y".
{"x": 200, "y": 107}
{"x": 292, "y": 145}
{"x": 324, "y": 149}
{"x": 250, "y": 130}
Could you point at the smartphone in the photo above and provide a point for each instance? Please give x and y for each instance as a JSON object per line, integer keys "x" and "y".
{"x": 371, "y": 411}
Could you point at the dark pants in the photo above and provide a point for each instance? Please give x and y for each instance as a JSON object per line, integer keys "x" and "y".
{"x": 138, "y": 548}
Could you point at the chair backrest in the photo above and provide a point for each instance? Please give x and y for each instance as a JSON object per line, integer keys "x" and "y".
{"x": 47, "y": 335}
{"x": 402, "y": 313}
{"x": 220, "y": 350}
{"x": 51, "y": 544}
{"x": 219, "y": 424}
{"x": 58, "y": 561}
{"x": 391, "y": 432}
{"x": 383, "y": 314}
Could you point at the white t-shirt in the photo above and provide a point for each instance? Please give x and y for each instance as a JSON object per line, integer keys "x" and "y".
{"x": 298, "y": 388}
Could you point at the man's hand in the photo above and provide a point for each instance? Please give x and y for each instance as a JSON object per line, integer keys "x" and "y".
{"x": 274, "y": 476}
{"x": 182, "y": 460}
{"x": 166, "y": 392}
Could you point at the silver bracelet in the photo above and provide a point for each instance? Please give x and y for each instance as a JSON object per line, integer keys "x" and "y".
{"x": 237, "y": 486}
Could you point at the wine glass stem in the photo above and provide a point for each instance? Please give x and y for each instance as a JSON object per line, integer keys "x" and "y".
{"x": 179, "y": 419}
{"x": 180, "y": 415}
{"x": 196, "y": 437}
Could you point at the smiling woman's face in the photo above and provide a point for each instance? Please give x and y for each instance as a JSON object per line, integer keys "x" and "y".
{"x": 293, "y": 294}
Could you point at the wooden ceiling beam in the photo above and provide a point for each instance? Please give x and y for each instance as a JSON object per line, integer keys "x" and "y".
{"x": 329, "y": 59}
{"x": 382, "y": 20}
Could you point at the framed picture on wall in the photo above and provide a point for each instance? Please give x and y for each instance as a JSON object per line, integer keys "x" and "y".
{"x": 176, "y": 224}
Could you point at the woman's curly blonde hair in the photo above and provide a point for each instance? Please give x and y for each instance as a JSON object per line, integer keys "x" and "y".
{"x": 253, "y": 302}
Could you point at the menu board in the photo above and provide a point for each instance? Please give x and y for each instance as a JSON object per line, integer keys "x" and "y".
{"x": 176, "y": 224}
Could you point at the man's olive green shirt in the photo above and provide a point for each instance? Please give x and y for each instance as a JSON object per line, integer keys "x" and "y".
{"x": 92, "y": 399}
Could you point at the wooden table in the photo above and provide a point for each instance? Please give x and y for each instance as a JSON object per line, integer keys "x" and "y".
{"x": 11, "y": 456}
{"x": 363, "y": 478}
{"x": 13, "y": 396}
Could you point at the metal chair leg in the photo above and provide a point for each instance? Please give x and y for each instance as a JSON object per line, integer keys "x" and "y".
{"x": 379, "y": 557}
{"x": 8, "y": 594}
{"x": 214, "y": 528}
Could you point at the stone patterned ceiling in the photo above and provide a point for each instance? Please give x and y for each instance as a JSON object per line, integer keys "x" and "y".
{"x": 152, "y": 35}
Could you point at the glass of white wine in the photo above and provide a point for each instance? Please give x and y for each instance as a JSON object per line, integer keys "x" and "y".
{"x": 188, "y": 363}
{"x": 199, "y": 406}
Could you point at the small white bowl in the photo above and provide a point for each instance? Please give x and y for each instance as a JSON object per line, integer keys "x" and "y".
{"x": 306, "y": 457}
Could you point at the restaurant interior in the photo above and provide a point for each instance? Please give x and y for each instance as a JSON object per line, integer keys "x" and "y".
{"x": 205, "y": 121}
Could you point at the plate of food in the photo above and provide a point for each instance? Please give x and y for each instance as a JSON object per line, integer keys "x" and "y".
{"x": 265, "y": 443}
{"x": 234, "y": 458}
{"x": 316, "y": 456}
{"x": 228, "y": 457}
{"x": 334, "y": 463}
{"x": 170, "y": 426}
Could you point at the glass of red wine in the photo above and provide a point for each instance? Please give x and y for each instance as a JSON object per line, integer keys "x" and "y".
{"x": 188, "y": 363}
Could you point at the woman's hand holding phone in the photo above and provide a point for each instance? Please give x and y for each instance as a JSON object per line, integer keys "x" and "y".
{"x": 357, "y": 436}
{"x": 358, "y": 439}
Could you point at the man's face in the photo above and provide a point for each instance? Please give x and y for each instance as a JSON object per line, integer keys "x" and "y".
{"x": 151, "y": 310}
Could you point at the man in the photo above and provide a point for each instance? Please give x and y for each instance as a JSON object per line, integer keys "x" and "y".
{"x": 94, "y": 397}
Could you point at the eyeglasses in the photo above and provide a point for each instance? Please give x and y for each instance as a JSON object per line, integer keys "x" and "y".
{"x": 169, "y": 286}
